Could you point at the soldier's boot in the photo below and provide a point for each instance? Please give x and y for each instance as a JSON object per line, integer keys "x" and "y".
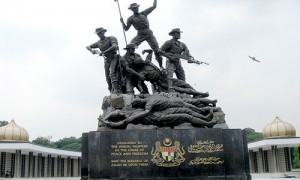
{"x": 115, "y": 87}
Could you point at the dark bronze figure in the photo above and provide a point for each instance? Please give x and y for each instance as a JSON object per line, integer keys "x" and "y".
{"x": 171, "y": 49}
{"x": 173, "y": 104}
{"x": 159, "y": 110}
{"x": 108, "y": 46}
{"x": 132, "y": 78}
{"x": 140, "y": 22}
{"x": 159, "y": 80}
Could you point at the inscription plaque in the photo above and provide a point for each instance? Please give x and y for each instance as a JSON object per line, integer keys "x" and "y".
{"x": 177, "y": 154}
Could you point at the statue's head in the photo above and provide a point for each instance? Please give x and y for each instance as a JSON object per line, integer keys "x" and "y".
{"x": 219, "y": 116}
{"x": 175, "y": 33}
{"x": 130, "y": 48}
{"x": 100, "y": 31}
{"x": 134, "y": 7}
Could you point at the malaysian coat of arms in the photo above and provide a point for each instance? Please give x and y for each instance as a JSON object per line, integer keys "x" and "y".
{"x": 167, "y": 155}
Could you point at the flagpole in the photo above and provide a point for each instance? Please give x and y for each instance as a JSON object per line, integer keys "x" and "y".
{"x": 121, "y": 17}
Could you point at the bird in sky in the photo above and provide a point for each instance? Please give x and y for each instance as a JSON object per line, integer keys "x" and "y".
{"x": 253, "y": 58}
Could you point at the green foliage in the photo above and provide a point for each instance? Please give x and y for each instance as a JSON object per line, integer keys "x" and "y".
{"x": 296, "y": 160}
{"x": 72, "y": 147}
{"x": 44, "y": 141}
{"x": 3, "y": 123}
{"x": 252, "y": 135}
{"x": 70, "y": 143}
{"x": 66, "y": 141}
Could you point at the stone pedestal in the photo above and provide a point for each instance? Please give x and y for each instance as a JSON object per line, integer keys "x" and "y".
{"x": 165, "y": 154}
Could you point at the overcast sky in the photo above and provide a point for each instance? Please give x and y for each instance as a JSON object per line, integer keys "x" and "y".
{"x": 52, "y": 86}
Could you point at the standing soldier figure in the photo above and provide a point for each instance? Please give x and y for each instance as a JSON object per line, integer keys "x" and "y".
{"x": 170, "y": 49}
{"x": 140, "y": 22}
{"x": 108, "y": 49}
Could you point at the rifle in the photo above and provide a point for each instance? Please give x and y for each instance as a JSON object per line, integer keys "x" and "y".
{"x": 190, "y": 59}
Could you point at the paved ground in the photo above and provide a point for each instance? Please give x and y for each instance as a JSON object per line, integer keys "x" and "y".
{"x": 254, "y": 178}
{"x": 66, "y": 178}
{"x": 276, "y": 176}
{"x": 266, "y": 176}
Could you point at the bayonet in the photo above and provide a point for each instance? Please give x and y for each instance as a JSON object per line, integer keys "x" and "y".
{"x": 190, "y": 59}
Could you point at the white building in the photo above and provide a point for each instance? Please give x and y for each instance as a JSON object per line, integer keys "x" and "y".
{"x": 19, "y": 158}
{"x": 273, "y": 154}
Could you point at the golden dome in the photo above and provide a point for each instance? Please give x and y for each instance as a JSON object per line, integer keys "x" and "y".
{"x": 13, "y": 132}
{"x": 278, "y": 128}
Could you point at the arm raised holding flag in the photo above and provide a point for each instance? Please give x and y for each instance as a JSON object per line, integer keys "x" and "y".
{"x": 140, "y": 22}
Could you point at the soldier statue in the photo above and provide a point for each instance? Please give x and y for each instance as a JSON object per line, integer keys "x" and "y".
{"x": 172, "y": 49}
{"x": 108, "y": 46}
{"x": 140, "y": 22}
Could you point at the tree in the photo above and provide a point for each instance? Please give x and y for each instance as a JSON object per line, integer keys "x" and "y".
{"x": 71, "y": 143}
{"x": 296, "y": 160}
{"x": 3, "y": 123}
{"x": 72, "y": 147}
{"x": 252, "y": 135}
{"x": 44, "y": 141}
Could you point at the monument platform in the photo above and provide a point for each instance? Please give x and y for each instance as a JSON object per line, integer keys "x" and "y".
{"x": 165, "y": 154}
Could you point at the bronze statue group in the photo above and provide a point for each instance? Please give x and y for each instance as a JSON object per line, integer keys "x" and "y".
{"x": 124, "y": 73}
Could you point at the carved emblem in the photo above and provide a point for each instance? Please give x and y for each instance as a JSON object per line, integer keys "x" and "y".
{"x": 167, "y": 155}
